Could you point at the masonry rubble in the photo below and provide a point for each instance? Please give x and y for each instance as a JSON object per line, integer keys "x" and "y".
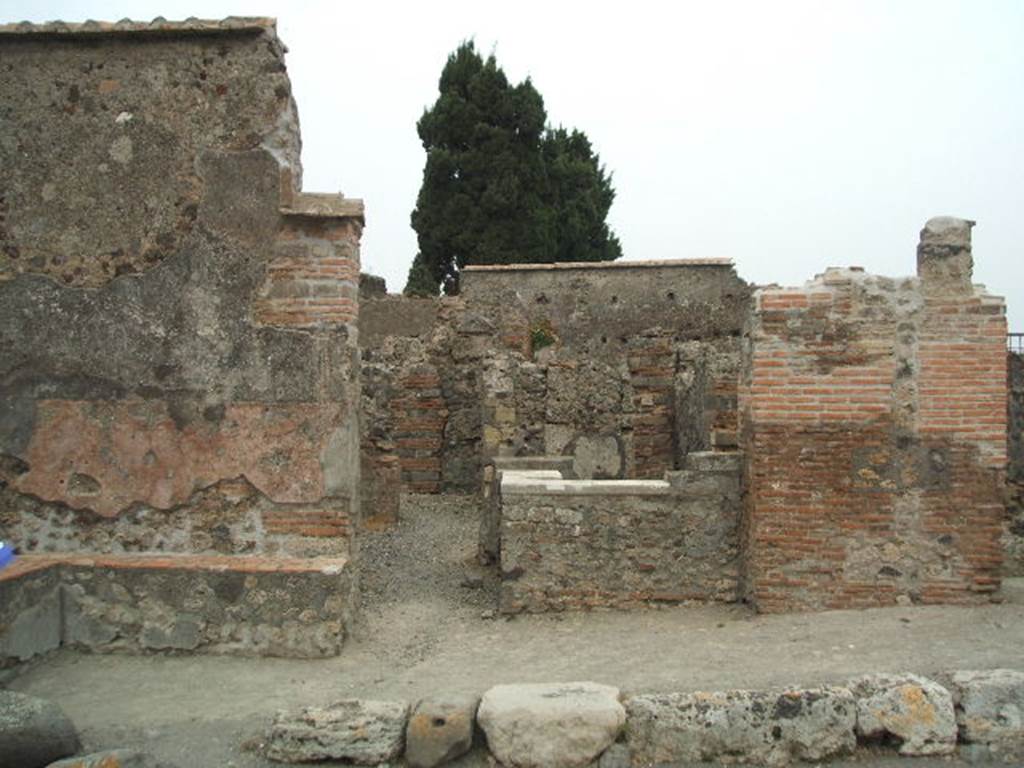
{"x": 195, "y": 396}
{"x": 587, "y": 724}
{"x": 178, "y": 324}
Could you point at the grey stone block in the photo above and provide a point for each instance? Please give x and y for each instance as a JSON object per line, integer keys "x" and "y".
{"x": 753, "y": 727}
{"x": 557, "y": 725}
{"x": 990, "y": 710}
{"x": 33, "y": 732}
{"x": 917, "y": 711}
{"x": 359, "y": 731}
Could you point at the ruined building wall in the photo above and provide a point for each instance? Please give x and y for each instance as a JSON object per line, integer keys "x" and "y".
{"x": 874, "y": 425}
{"x": 567, "y": 544}
{"x": 640, "y": 366}
{"x": 625, "y": 366}
{"x": 178, "y": 365}
{"x": 1014, "y": 538}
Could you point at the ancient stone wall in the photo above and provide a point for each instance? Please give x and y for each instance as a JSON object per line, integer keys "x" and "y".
{"x": 625, "y": 367}
{"x": 571, "y": 544}
{"x": 178, "y": 364}
{"x": 874, "y": 422}
{"x": 1014, "y": 537}
{"x": 199, "y": 604}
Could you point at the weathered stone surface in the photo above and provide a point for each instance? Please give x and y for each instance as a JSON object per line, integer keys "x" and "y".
{"x": 860, "y": 420}
{"x": 362, "y": 732}
{"x": 30, "y": 616}
{"x": 916, "y": 711}
{"x": 616, "y": 756}
{"x": 176, "y": 316}
{"x": 597, "y": 456}
{"x": 440, "y": 729}
{"x": 113, "y": 758}
{"x": 741, "y": 726}
{"x": 556, "y": 725}
{"x": 567, "y": 545}
{"x": 990, "y": 710}
{"x": 1013, "y": 535}
{"x": 33, "y": 732}
{"x": 627, "y": 339}
{"x": 215, "y": 604}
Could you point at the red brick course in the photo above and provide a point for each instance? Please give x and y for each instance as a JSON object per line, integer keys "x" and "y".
{"x": 874, "y": 421}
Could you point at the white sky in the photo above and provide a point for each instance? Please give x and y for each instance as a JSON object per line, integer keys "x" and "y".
{"x": 790, "y": 136}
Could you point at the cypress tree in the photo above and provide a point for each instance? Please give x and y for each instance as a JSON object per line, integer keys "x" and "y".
{"x": 498, "y": 187}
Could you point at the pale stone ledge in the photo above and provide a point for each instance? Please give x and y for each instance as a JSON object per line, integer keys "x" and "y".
{"x": 565, "y": 265}
{"x": 516, "y": 483}
{"x": 324, "y": 206}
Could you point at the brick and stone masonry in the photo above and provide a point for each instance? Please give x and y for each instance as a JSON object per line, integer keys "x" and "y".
{"x": 572, "y": 544}
{"x": 874, "y": 421}
{"x": 626, "y": 367}
{"x": 179, "y": 369}
{"x": 1014, "y": 535}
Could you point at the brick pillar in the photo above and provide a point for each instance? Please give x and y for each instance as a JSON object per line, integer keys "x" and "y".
{"x": 873, "y": 416}
{"x": 652, "y": 364}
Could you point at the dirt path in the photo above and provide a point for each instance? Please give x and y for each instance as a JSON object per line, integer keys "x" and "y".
{"x": 421, "y": 631}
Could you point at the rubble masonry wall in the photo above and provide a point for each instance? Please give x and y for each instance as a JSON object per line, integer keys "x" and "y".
{"x": 178, "y": 365}
{"x": 626, "y": 367}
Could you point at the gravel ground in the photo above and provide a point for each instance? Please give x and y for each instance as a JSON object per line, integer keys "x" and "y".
{"x": 426, "y": 625}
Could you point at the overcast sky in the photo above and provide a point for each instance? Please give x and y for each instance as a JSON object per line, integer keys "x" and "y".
{"x": 789, "y": 136}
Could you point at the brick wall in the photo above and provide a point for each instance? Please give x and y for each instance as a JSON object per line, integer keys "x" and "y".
{"x": 652, "y": 369}
{"x": 313, "y": 278}
{"x": 419, "y": 429}
{"x": 873, "y": 415}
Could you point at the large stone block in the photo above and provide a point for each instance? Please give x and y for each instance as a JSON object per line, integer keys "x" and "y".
{"x": 916, "y": 711}
{"x": 358, "y": 731}
{"x": 556, "y": 725}
{"x": 33, "y": 732}
{"x": 990, "y": 710}
{"x": 754, "y": 727}
{"x": 440, "y": 730}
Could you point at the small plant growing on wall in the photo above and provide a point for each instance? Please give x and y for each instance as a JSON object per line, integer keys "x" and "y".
{"x": 542, "y": 334}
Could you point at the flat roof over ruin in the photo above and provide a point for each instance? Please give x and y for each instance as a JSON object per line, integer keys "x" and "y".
{"x": 563, "y": 265}
{"x": 159, "y": 25}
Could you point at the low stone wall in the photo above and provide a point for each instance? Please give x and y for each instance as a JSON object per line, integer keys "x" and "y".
{"x": 489, "y": 545}
{"x": 559, "y": 725}
{"x": 568, "y": 544}
{"x": 1013, "y": 538}
{"x": 213, "y": 604}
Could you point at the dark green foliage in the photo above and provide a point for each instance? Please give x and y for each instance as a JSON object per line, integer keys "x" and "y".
{"x": 578, "y": 199}
{"x": 498, "y": 187}
{"x": 542, "y": 334}
{"x": 420, "y": 281}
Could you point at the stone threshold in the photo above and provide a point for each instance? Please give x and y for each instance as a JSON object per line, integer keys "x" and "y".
{"x": 558, "y": 725}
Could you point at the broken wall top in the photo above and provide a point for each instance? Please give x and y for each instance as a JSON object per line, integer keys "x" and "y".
{"x": 176, "y": 316}
{"x": 108, "y": 132}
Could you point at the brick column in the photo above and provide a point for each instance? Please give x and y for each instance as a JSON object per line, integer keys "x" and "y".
{"x": 874, "y": 420}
